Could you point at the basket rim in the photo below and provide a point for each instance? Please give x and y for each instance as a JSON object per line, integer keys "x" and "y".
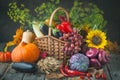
{"x": 48, "y": 36}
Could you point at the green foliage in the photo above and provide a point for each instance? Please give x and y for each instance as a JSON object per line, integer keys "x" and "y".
{"x": 45, "y": 10}
{"x": 19, "y": 14}
{"x": 83, "y": 13}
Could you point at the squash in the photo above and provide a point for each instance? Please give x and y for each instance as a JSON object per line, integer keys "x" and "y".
{"x": 27, "y": 36}
{"x": 25, "y": 52}
{"x": 5, "y": 56}
{"x": 36, "y": 29}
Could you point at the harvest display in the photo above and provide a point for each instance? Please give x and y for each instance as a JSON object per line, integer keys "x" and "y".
{"x": 64, "y": 46}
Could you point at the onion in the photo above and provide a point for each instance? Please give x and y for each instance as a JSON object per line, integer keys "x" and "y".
{"x": 92, "y": 52}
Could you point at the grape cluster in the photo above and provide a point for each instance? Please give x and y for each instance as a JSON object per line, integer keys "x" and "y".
{"x": 73, "y": 42}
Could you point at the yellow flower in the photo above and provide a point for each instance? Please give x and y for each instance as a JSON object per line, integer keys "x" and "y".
{"x": 18, "y": 36}
{"x": 96, "y": 38}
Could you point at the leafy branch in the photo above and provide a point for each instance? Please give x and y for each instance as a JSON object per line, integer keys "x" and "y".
{"x": 19, "y": 14}
{"x": 83, "y": 13}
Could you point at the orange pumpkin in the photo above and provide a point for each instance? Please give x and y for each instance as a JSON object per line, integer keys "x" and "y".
{"x": 5, "y": 56}
{"x": 25, "y": 52}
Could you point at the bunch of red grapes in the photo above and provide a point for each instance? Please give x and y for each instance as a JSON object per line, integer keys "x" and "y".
{"x": 73, "y": 42}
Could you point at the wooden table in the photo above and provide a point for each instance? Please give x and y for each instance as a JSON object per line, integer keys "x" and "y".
{"x": 112, "y": 69}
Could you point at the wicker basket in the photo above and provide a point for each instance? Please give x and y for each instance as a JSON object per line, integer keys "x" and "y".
{"x": 50, "y": 44}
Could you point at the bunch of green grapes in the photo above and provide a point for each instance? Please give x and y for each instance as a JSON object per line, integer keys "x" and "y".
{"x": 19, "y": 14}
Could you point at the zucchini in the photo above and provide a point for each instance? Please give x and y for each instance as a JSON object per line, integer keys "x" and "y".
{"x": 25, "y": 67}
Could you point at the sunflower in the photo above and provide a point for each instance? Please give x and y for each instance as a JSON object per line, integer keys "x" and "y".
{"x": 96, "y": 38}
{"x": 84, "y": 31}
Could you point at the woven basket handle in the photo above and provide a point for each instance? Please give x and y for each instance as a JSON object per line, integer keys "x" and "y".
{"x": 52, "y": 15}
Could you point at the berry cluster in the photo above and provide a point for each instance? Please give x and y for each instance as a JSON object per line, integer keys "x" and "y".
{"x": 73, "y": 42}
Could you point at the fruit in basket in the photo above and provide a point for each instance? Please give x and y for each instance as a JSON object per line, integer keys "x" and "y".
{"x": 5, "y": 56}
{"x": 44, "y": 28}
{"x": 73, "y": 42}
{"x": 92, "y": 52}
{"x": 47, "y": 21}
{"x": 79, "y": 62}
{"x": 25, "y": 52}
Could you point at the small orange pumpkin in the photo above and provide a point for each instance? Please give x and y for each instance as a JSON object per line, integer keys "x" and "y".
{"x": 25, "y": 52}
{"x": 5, "y": 56}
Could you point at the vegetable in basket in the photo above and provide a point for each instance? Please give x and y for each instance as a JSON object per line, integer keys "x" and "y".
{"x": 43, "y": 28}
{"x": 65, "y": 26}
{"x": 56, "y": 33}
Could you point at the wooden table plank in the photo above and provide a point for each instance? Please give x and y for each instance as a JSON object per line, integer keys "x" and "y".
{"x": 11, "y": 74}
{"x": 14, "y": 76}
{"x": 114, "y": 67}
{"x": 108, "y": 75}
{"x": 3, "y": 68}
{"x": 29, "y": 76}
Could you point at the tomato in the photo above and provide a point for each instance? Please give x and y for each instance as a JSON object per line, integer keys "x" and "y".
{"x": 88, "y": 74}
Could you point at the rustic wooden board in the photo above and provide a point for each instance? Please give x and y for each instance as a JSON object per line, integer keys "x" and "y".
{"x": 3, "y": 68}
{"x": 14, "y": 76}
{"x": 114, "y": 67}
{"x": 29, "y": 76}
{"x": 11, "y": 74}
{"x": 107, "y": 72}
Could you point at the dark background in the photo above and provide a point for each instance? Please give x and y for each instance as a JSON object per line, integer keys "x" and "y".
{"x": 111, "y": 10}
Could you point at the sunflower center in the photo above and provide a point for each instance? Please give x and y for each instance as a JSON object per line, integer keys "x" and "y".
{"x": 96, "y": 40}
